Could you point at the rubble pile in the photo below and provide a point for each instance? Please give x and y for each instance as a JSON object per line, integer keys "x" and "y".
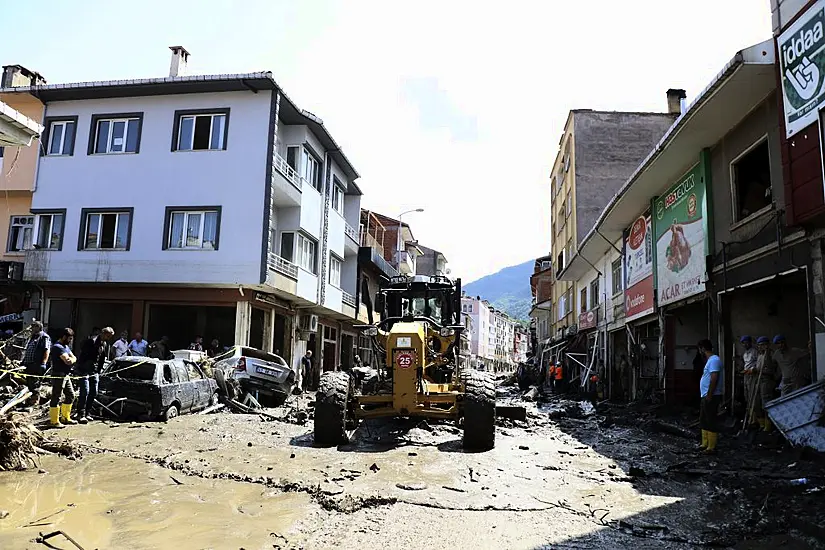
{"x": 19, "y": 440}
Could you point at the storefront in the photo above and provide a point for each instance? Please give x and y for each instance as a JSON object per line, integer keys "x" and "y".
{"x": 255, "y": 319}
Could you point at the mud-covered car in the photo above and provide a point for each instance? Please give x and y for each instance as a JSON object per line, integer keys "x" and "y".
{"x": 155, "y": 389}
{"x": 257, "y": 372}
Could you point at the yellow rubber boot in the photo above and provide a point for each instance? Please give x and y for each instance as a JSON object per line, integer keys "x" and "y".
{"x": 65, "y": 414}
{"x": 54, "y": 417}
{"x": 713, "y": 437}
{"x": 704, "y": 444}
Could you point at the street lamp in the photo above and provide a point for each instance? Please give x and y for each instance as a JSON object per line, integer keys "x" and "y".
{"x": 400, "y": 227}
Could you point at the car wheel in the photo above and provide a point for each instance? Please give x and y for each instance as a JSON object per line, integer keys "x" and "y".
{"x": 214, "y": 400}
{"x": 171, "y": 412}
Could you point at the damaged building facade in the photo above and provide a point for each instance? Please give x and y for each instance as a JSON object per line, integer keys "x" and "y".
{"x": 713, "y": 236}
{"x": 194, "y": 205}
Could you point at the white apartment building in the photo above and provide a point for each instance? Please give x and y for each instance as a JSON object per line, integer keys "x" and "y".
{"x": 493, "y": 340}
{"x": 206, "y": 205}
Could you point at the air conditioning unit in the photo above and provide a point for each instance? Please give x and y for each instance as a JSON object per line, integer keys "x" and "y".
{"x": 309, "y": 323}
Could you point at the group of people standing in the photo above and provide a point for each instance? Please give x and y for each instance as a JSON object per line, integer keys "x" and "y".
{"x": 41, "y": 354}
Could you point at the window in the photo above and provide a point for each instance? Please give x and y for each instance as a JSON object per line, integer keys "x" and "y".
{"x": 20, "y": 233}
{"x": 583, "y": 300}
{"x": 105, "y": 230}
{"x": 568, "y": 205}
{"x": 307, "y": 253}
{"x": 292, "y": 156}
{"x": 192, "y": 228}
{"x": 334, "y": 271}
{"x": 751, "y": 181}
{"x": 288, "y": 246}
{"x": 312, "y": 170}
{"x": 616, "y": 275}
{"x": 118, "y": 133}
{"x": 337, "y": 196}
{"x": 595, "y": 298}
{"x": 49, "y": 230}
{"x": 200, "y": 130}
{"x": 60, "y": 134}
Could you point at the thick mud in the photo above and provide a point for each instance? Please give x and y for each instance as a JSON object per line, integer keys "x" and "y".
{"x": 569, "y": 477}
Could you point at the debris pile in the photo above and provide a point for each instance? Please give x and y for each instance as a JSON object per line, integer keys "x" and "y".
{"x": 19, "y": 441}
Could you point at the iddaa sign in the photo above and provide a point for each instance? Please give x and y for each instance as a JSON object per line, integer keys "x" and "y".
{"x": 802, "y": 68}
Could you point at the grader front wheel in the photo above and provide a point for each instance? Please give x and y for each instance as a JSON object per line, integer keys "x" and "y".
{"x": 479, "y": 411}
{"x": 331, "y": 408}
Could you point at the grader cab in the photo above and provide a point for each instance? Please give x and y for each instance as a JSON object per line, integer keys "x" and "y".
{"x": 416, "y": 344}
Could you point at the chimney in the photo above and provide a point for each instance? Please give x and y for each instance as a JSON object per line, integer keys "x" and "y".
{"x": 675, "y": 101}
{"x": 180, "y": 57}
{"x": 18, "y": 76}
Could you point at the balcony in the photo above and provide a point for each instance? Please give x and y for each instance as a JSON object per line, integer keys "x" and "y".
{"x": 282, "y": 266}
{"x": 351, "y": 232}
{"x": 406, "y": 262}
{"x": 347, "y": 299}
{"x": 286, "y": 182}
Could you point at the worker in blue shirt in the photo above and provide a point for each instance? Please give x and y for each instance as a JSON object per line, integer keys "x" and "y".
{"x": 711, "y": 387}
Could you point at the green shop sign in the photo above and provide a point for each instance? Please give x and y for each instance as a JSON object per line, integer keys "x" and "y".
{"x": 802, "y": 66}
{"x": 680, "y": 228}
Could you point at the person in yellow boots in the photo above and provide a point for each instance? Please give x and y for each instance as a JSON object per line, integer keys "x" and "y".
{"x": 711, "y": 387}
{"x": 62, "y": 360}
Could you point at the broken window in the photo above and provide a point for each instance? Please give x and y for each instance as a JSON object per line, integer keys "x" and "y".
{"x": 751, "y": 174}
{"x": 200, "y": 132}
{"x": 106, "y": 231}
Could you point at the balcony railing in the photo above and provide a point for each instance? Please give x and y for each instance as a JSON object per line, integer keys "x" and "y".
{"x": 351, "y": 232}
{"x": 348, "y": 299}
{"x": 282, "y": 266}
{"x": 287, "y": 171}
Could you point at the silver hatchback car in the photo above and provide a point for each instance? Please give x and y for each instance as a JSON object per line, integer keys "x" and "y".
{"x": 257, "y": 372}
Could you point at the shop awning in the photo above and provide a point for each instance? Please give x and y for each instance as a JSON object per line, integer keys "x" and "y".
{"x": 17, "y": 130}
{"x": 740, "y": 87}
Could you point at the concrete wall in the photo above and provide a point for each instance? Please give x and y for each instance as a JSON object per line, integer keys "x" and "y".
{"x": 608, "y": 149}
{"x": 152, "y": 180}
{"x": 336, "y": 233}
{"x": 782, "y": 11}
{"x": 763, "y": 121}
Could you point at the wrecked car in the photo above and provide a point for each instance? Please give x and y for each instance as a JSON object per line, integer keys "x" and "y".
{"x": 259, "y": 373}
{"x": 156, "y": 389}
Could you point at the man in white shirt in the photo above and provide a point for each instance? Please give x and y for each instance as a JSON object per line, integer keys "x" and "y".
{"x": 121, "y": 346}
{"x": 751, "y": 374}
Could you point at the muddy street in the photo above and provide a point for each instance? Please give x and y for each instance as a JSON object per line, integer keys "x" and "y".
{"x": 568, "y": 477}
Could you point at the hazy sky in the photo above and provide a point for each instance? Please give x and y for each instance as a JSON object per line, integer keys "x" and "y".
{"x": 451, "y": 106}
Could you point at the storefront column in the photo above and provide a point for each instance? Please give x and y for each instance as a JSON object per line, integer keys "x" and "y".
{"x": 243, "y": 319}
{"x": 817, "y": 282}
{"x": 269, "y": 330}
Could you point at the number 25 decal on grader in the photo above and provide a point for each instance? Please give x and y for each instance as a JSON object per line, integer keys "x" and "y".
{"x": 416, "y": 346}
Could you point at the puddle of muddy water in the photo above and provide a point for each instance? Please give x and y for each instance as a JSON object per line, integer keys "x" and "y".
{"x": 114, "y": 502}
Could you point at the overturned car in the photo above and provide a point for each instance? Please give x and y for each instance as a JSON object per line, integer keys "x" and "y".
{"x": 145, "y": 388}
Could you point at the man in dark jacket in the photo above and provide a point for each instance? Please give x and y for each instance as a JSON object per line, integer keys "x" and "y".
{"x": 93, "y": 354}
{"x": 35, "y": 358}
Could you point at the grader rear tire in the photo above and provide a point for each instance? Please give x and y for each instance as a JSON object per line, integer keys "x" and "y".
{"x": 331, "y": 408}
{"x": 479, "y": 411}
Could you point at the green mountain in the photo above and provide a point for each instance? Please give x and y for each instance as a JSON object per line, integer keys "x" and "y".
{"x": 508, "y": 289}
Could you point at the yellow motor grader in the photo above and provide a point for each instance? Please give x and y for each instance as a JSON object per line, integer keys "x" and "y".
{"x": 416, "y": 344}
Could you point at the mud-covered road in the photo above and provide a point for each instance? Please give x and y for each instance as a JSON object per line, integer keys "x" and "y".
{"x": 566, "y": 478}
